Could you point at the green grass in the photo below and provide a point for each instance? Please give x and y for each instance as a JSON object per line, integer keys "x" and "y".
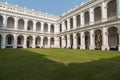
{"x": 58, "y": 64}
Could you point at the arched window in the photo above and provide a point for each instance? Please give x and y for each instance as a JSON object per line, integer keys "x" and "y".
{"x": 45, "y": 27}
{"x": 20, "y": 24}
{"x": 97, "y": 14}
{"x": 111, "y": 9}
{"x": 38, "y": 26}
{"x": 78, "y": 20}
{"x": 52, "y": 29}
{"x": 30, "y": 25}
{"x": 10, "y": 22}
{"x": 71, "y": 23}
{"x": 1, "y": 21}
{"x": 87, "y": 18}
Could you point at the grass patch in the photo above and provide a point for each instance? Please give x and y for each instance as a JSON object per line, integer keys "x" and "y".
{"x": 58, "y": 64}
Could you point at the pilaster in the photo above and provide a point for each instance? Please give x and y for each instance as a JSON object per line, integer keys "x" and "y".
{"x": 15, "y": 41}
{"x": 119, "y": 41}
{"x": 118, "y": 8}
{"x": 63, "y": 26}
{"x": 25, "y": 41}
{"x": 92, "y": 40}
{"x": 105, "y": 45}
{"x": 57, "y": 42}
{"x": 16, "y": 23}
{"x": 74, "y": 22}
{"x": 91, "y": 16}
{"x": 4, "y": 21}
{"x": 3, "y": 41}
{"x": 82, "y": 19}
{"x": 68, "y": 41}
{"x": 82, "y": 46}
{"x": 41, "y": 43}
{"x": 33, "y": 43}
{"x": 49, "y": 45}
{"x": 74, "y": 41}
{"x": 104, "y": 11}
{"x": 42, "y": 27}
{"x": 68, "y": 23}
{"x": 26, "y": 24}
{"x": 63, "y": 42}
{"x": 34, "y": 25}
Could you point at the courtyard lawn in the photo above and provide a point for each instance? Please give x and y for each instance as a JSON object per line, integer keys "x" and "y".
{"x": 59, "y": 64}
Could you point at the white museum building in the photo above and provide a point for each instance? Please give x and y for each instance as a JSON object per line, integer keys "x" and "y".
{"x": 93, "y": 25}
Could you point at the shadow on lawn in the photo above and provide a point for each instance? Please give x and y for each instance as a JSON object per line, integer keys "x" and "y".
{"x": 27, "y": 65}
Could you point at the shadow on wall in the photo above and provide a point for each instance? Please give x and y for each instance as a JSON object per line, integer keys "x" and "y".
{"x": 27, "y": 65}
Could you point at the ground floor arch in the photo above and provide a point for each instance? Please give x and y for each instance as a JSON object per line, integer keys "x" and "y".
{"x": 20, "y": 41}
{"x": 45, "y": 42}
{"x": 87, "y": 40}
{"x": 29, "y": 41}
{"x": 37, "y": 42}
{"x": 98, "y": 39}
{"x": 52, "y": 42}
{"x": 9, "y": 41}
{"x": 113, "y": 39}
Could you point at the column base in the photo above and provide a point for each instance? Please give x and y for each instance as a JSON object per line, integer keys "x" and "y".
{"x": 3, "y": 47}
{"x": 92, "y": 47}
{"x": 119, "y": 48}
{"x": 24, "y": 47}
{"x": 68, "y": 47}
{"x": 105, "y": 48}
{"x": 14, "y": 47}
{"x": 74, "y": 47}
{"x": 82, "y": 47}
{"x": 118, "y": 16}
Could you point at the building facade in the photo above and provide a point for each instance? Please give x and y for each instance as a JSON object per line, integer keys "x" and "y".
{"x": 93, "y": 25}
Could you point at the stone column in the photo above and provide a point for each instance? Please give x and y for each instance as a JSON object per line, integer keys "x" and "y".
{"x": 104, "y": 11}
{"x": 57, "y": 29}
{"x": 63, "y": 42}
{"x": 25, "y": 41}
{"x": 42, "y": 27}
{"x": 63, "y": 26}
{"x": 82, "y": 19}
{"x": 74, "y": 22}
{"x": 33, "y": 43}
{"x": 4, "y": 21}
{"x": 68, "y": 23}
{"x": 16, "y": 23}
{"x": 49, "y": 28}
{"x": 49, "y": 45}
{"x": 119, "y": 41}
{"x": 74, "y": 41}
{"x": 92, "y": 40}
{"x": 68, "y": 41}
{"x": 41, "y": 44}
{"x": 91, "y": 16}
{"x": 118, "y": 8}
{"x": 26, "y": 24}
{"x": 82, "y": 46}
{"x": 3, "y": 46}
{"x": 15, "y": 41}
{"x": 105, "y": 45}
{"x": 34, "y": 25}
{"x": 57, "y": 42}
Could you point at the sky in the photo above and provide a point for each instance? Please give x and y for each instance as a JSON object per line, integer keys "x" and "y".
{"x": 55, "y": 7}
